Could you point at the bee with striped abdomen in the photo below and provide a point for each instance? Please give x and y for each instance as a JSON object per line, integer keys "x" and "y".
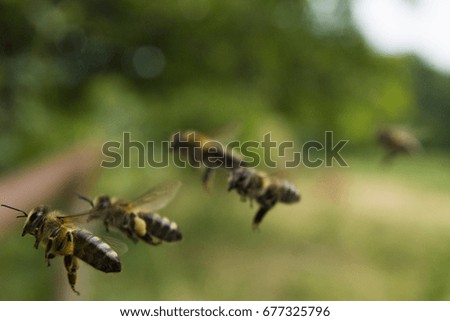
{"x": 137, "y": 219}
{"x": 201, "y": 150}
{"x": 264, "y": 189}
{"x": 60, "y": 237}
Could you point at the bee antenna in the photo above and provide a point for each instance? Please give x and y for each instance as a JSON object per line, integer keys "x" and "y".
{"x": 85, "y": 198}
{"x": 16, "y": 209}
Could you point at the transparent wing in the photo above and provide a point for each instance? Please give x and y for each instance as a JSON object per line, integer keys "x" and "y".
{"x": 116, "y": 244}
{"x": 228, "y": 132}
{"x": 75, "y": 218}
{"x": 282, "y": 174}
{"x": 157, "y": 197}
{"x": 81, "y": 220}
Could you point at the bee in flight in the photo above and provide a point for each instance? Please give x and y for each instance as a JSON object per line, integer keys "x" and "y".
{"x": 264, "y": 189}
{"x": 397, "y": 141}
{"x": 60, "y": 237}
{"x": 137, "y": 219}
{"x": 202, "y": 150}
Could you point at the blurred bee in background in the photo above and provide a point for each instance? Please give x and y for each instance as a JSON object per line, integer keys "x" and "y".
{"x": 397, "y": 141}
{"x": 137, "y": 219}
{"x": 265, "y": 189}
{"x": 200, "y": 150}
{"x": 60, "y": 237}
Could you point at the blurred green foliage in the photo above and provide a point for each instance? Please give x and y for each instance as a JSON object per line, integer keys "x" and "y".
{"x": 71, "y": 71}
{"x": 154, "y": 67}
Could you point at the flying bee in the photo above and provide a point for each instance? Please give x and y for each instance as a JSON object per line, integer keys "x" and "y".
{"x": 60, "y": 237}
{"x": 137, "y": 219}
{"x": 397, "y": 141}
{"x": 202, "y": 150}
{"x": 264, "y": 189}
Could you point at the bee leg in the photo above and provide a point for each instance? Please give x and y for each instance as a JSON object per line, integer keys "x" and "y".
{"x": 50, "y": 243}
{"x": 131, "y": 236}
{"x": 152, "y": 242}
{"x": 70, "y": 262}
{"x": 106, "y": 226}
{"x": 148, "y": 239}
{"x": 207, "y": 178}
{"x": 129, "y": 233}
{"x": 37, "y": 233}
{"x": 129, "y": 228}
{"x": 49, "y": 256}
{"x": 36, "y": 243}
{"x": 71, "y": 265}
{"x": 260, "y": 215}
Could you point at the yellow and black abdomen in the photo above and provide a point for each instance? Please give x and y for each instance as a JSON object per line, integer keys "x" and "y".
{"x": 95, "y": 252}
{"x": 161, "y": 227}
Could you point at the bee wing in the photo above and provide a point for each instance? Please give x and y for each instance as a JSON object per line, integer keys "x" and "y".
{"x": 117, "y": 245}
{"x": 75, "y": 218}
{"x": 157, "y": 197}
{"x": 280, "y": 174}
{"x": 81, "y": 220}
{"x": 228, "y": 132}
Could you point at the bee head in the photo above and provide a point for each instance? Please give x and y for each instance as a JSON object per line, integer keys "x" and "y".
{"x": 35, "y": 219}
{"x": 102, "y": 202}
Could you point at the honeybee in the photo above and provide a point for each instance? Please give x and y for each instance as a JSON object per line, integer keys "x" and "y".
{"x": 60, "y": 237}
{"x": 137, "y": 219}
{"x": 202, "y": 150}
{"x": 397, "y": 141}
{"x": 264, "y": 189}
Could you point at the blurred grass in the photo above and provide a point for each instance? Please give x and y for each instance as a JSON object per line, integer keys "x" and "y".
{"x": 360, "y": 233}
